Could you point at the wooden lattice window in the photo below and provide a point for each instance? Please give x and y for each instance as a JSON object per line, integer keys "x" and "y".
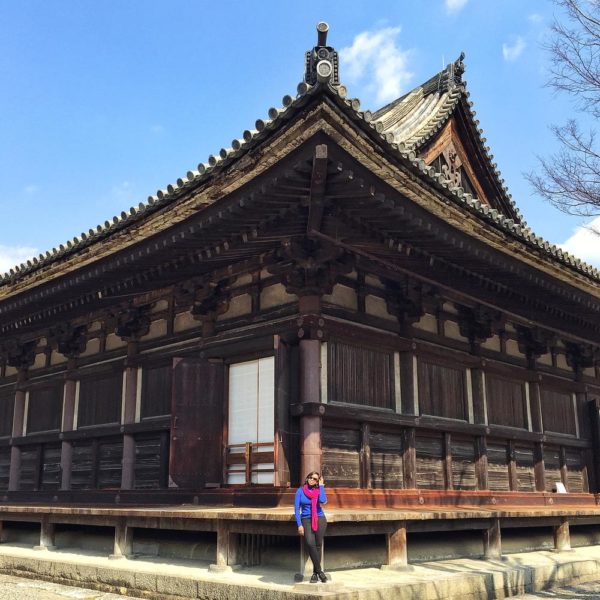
{"x": 44, "y": 409}
{"x": 7, "y": 407}
{"x": 442, "y": 391}
{"x": 506, "y": 402}
{"x": 100, "y": 399}
{"x": 156, "y": 391}
{"x": 558, "y": 411}
{"x": 359, "y": 375}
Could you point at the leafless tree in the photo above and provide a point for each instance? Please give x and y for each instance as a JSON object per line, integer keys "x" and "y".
{"x": 570, "y": 179}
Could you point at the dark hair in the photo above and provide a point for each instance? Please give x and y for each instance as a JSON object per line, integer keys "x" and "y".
{"x": 312, "y": 473}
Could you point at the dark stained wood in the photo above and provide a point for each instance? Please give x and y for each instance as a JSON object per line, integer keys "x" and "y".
{"x": 539, "y": 468}
{"x": 481, "y": 463}
{"x": 506, "y": 404}
{"x": 557, "y": 411}
{"x": 552, "y": 468}
{"x": 156, "y": 390}
{"x": 83, "y": 466}
{"x": 512, "y": 467}
{"x": 100, "y": 399}
{"x": 535, "y": 400}
{"x": 109, "y": 463}
{"x": 282, "y": 416}
{"x": 524, "y": 468}
{"x": 447, "y": 464}
{"x": 407, "y": 382}
{"x": 387, "y": 468}
{"x": 44, "y": 408}
{"x": 360, "y": 375}
{"x": 197, "y": 417}
{"x": 148, "y": 458}
{"x": 576, "y": 476}
{"x": 463, "y": 464}
{"x": 478, "y": 392}
{"x": 341, "y": 457}
{"x": 365, "y": 456}
{"x": 7, "y": 406}
{"x": 442, "y": 391}
{"x": 4, "y": 467}
{"x": 409, "y": 458}
{"x": 430, "y": 463}
{"x": 50, "y": 477}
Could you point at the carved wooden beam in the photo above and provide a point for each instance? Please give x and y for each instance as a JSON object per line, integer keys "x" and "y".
{"x": 478, "y": 324}
{"x": 533, "y": 342}
{"x": 580, "y": 356}
{"x": 20, "y": 355}
{"x": 317, "y": 189}
{"x": 131, "y": 323}
{"x": 68, "y": 340}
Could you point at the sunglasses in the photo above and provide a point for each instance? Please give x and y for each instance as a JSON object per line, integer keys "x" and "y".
{"x": 313, "y": 479}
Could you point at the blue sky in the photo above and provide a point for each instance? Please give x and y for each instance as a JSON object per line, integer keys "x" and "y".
{"x": 103, "y": 103}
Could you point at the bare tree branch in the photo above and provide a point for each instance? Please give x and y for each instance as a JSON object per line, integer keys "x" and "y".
{"x": 570, "y": 179}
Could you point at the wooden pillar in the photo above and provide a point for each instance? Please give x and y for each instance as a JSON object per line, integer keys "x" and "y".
{"x": 68, "y": 421}
{"x": 408, "y": 383}
{"x": 227, "y": 548}
{"x": 512, "y": 467}
{"x": 17, "y": 431}
{"x": 123, "y": 540}
{"x": 478, "y": 394}
{"x": 539, "y": 471}
{"x": 562, "y": 537}
{"x": 365, "y": 457}
{"x": 46, "y": 535}
{"x": 447, "y": 464}
{"x": 129, "y": 408}
{"x": 410, "y": 459}
{"x": 492, "y": 541}
{"x": 310, "y": 391}
{"x": 481, "y": 463}
{"x": 396, "y": 548}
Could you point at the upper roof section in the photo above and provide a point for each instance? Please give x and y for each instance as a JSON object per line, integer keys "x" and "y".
{"x": 436, "y": 121}
{"x": 432, "y": 131}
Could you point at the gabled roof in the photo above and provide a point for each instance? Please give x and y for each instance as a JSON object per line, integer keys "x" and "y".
{"x": 414, "y": 120}
{"x": 401, "y": 127}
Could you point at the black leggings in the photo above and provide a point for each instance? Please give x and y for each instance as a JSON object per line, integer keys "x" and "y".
{"x": 314, "y": 541}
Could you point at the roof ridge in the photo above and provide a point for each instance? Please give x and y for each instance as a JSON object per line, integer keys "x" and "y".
{"x": 263, "y": 127}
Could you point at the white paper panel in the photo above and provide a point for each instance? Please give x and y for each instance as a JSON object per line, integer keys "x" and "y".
{"x": 243, "y": 402}
{"x": 266, "y": 399}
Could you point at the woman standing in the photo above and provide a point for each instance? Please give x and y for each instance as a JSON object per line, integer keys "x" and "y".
{"x": 311, "y": 520}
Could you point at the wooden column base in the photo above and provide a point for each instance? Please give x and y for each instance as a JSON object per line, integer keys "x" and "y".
{"x": 66, "y": 462}
{"x": 46, "y": 536}
{"x": 128, "y": 473}
{"x": 227, "y": 549}
{"x": 562, "y": 536}
{"x": 492, "y": 541}
{"x": 123, "y": 540}
{"x": 397, "y": 549}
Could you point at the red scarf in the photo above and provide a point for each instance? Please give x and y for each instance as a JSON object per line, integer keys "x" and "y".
{"x": 313, "y": 495}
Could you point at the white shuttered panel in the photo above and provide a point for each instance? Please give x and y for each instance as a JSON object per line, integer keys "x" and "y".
{"x": 251, "y": 414}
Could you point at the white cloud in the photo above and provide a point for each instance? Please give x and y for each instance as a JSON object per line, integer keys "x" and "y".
{"x": 585, "y": 243}
{"x": 14, "y": 255}
{"x": 513, "y": 51}
{"x": 31, "y": 189}
{"x": 375, "y": 61}
{"x": 535, "y": 18}
{"x": 157, "y": 129}
{"x": 454, "y": 6}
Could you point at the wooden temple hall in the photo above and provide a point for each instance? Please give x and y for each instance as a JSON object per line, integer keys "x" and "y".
{"x": 338, "y": 290}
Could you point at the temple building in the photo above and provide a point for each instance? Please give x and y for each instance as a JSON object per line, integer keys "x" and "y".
{"x": 338, "y": 290}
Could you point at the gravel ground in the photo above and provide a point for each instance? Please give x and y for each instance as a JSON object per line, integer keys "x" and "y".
{"x": 17, "y": 588}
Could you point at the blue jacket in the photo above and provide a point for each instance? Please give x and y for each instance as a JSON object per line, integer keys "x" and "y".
{"x": 302, "y": 504}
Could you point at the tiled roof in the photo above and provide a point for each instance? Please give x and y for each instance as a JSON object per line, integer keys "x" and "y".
{"x": 388, "y": 125}
{"x": 415, "y": 118}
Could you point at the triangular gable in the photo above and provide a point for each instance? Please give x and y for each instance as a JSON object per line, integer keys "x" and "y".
{"x": 447, "y": 154}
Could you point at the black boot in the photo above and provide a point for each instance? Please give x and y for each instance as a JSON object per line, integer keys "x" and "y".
{"x": 314, "y": 578}
{"x": 322, "y": 576}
